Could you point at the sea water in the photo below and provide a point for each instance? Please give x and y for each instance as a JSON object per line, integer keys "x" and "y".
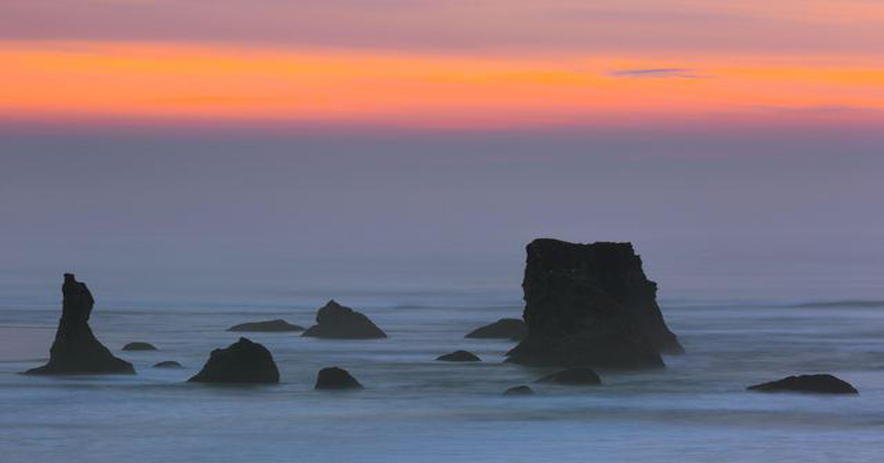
{"x": 415, "y": 409}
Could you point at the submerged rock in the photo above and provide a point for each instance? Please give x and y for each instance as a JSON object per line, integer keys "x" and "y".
{"x": 338, "y": 322}
{"x": 269, "y": 326}
{"x": 519, "y": 390}
{"x": 242, "y": 362}
{"x": 590, "y": 305}
{"x": 505, "y": 328}
{"x": 459, "y": 356}
{"x": 573, "y": 377}
{"x": 75, "y": 349}
{"x": 822, "y": 384}
{"x": 139, "y": 346}
{"x": 167, "y": 364}
{"x": 336, "y": 378}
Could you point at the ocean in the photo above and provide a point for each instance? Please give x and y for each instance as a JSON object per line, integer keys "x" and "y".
{"x": 415, "y": 409}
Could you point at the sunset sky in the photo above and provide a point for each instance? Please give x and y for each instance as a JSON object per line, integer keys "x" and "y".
{"x": 453, "y": 65}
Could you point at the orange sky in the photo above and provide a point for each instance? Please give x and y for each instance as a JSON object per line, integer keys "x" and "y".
{"x": 418, "y": 63}
{"x": 89, "y": 79}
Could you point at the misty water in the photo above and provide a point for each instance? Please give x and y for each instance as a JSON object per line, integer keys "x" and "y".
{"x": 416, "y": 409}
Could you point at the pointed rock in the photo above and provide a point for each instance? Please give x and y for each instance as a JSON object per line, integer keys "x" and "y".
{"x": 76, "y": 350}
{"x": 335, "y": 321}
{"x": 242, "y": 362}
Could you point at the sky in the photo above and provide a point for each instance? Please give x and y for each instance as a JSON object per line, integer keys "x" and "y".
{"x": 342, "y": 134}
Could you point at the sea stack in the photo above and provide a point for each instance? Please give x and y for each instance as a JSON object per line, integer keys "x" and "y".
{"x": 76, "y": 350}
{"x": 590, "y": 305}
{"x": 242, "y": 362}
{"x": 335, "y": 321}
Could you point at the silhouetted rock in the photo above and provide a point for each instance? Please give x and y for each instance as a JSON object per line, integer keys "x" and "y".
{"x": 167, "y": 364}
{"x": 823, "y": 384}
{"x": 338, "y": 322}
{"x": 336, "y": 378}
{"x": 459, "y": 356}
{"x": 269, "y": 326}
{"x": 590, "y": 305}
{"x": 242, "y": 362}
{"x": 139, "y": 346}
{"x": 505, "y": 328}
{"x": 75, "y": 349}
{"x": 573, "y": 377}
{"x": 519, "y": 390}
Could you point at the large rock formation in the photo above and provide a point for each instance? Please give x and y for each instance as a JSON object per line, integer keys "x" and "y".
{"x": 821, "y": 384}
{"x": 242, "y": 362}
{"x": 505, "y": 328}
{"x": 339, "y": 322}
{"x": 336, "y": 378}
{"x": 590, "y": 305}
{"x": 76, "y": 350}
{"x": 269, "y": 326}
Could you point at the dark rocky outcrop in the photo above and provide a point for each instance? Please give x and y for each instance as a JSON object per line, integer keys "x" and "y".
{"x": 505, "y": 328}
{"x": 167, "y": 364}
{"x": 338, "y": 322}
{"x": 336, "y": 378}
{"x": 242, "y": 362}
{"x": 519, "y": 390}
{"x": 822, "y": 384}
{"x": 573, "y": 377}
{"x": 269, "y": 326}
{"x": 459, "y": 356}
{"x": 134, "y": 346}
{"x": 75, "y": 349}
{"x": 590, "y": 305}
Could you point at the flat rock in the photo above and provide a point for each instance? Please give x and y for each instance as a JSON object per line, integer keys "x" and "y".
{"x": 459, "y": 356}
{"x": 134, "y": 346}
{"x": 573, "y": 377}
{"x": 269, "y": 326}
{"x": 590, "y": 305}
{"x": 519, "y": 390}
{"x": 334, "y": 321}
{"x": 167, "y": 364}
{"x": 336, "y": 378}
{"x": 76, "y": 350}
{"x": 505, "y": 328}
{"x": 242, "y": 362}
{"x": 821, "y": 384}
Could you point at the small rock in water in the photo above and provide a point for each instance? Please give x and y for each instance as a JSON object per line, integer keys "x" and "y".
{"x": 336, "y": 378}
{"x": 459, "y": 356}
{"x": 242, "y": 362}
{"x": 573, "y": 377}
{"x": 269, "y": 326}
{"x": 139, "y": 346}
{"x": 505, "y": 328}
{"x": 167, "y": 364}
{"x": 821, "y": 384}
{"x": 519, "y": 390}
{"x": 335, "y": 321}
